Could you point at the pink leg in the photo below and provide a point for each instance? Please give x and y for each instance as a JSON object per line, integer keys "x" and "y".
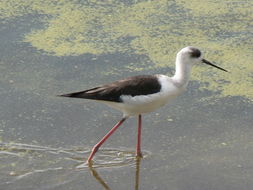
{"x": 138, "y": 145}
{"x": 96, "y": 147}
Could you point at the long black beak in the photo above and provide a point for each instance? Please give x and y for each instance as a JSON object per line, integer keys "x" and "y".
{"x": 208, "y": 63}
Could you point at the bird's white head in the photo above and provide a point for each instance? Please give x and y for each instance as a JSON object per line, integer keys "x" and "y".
{"x": 186, "y": 58}
{"x": 189, "y": 56}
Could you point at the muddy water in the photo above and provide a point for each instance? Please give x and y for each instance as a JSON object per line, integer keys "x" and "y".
{"x": 203, "y": 140}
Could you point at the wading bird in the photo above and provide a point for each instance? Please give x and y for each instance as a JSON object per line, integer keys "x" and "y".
{"x": 136, "y": 95}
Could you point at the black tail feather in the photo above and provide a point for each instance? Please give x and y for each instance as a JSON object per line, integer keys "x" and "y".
{"x": 81, "y": 94}
{"x": 64, "y": 95}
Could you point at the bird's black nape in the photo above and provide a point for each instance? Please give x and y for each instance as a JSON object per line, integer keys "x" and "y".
{"x": 195, "y": 53}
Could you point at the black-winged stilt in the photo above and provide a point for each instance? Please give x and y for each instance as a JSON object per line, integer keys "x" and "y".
{"x": 136, "y": 95}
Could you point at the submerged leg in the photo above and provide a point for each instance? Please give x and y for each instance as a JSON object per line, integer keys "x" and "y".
{"x": 138, "y": 145}
{"x": 96, "y": 147}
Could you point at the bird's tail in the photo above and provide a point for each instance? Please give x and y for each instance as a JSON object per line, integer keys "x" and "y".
{"x": 87, "y": 94}
{"x": 81, "y": 94}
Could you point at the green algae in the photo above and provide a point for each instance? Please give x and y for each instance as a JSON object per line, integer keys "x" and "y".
{"x": 157, "y": 29}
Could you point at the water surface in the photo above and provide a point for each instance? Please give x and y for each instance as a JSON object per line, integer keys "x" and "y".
{"x": 203, "y": 140}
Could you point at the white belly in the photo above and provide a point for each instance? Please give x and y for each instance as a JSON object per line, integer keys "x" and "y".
{"x": 141, "y": 104}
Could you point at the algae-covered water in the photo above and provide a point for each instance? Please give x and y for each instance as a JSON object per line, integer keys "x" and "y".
{"x": 203, "y": 140}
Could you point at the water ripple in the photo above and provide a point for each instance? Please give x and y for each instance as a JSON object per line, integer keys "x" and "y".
{"x": 24, "y": 160}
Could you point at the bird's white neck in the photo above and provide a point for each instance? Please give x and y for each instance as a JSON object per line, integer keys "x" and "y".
{"x": 183, "y": 72}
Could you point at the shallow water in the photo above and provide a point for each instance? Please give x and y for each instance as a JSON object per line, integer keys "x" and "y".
{"x": 203, "y": 140}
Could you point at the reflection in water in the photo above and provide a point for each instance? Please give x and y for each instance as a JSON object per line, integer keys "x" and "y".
{"x": 98, "y": 178}
{"x": 24, "y": 161}
{"x": 137, "y": 172}
{"x": 104, "y": 184}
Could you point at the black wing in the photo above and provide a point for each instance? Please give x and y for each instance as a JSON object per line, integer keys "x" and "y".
{"x": 133, "y": 86}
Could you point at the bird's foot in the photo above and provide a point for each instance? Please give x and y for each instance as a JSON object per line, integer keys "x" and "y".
{"x": 139, "y": 155}
{"x": 89, "y": 163}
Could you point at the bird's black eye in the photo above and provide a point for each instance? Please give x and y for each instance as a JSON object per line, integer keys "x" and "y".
{"x": 195, "y": 53}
